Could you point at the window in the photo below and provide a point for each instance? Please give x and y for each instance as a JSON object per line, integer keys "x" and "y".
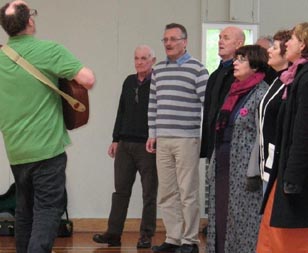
{"x": 210, "y": 36}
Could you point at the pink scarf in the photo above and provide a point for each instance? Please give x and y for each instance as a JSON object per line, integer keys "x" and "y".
{"x": 287, "y": 77}
{"x": 237, "y": 90}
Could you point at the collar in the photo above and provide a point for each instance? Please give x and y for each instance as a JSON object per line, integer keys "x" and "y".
{"x": 184, "y": 58}
{"x": 20, "y": 37}
{"x": 226, "y": 63}
{"x": 147, "y": 78}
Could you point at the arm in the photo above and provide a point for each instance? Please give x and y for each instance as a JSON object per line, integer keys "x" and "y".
{"x": 201, "y": 83}
{"x": 119, "y": 118}
{"x": 85, "y": 77}
{"x": 253, "y": 165}
{"x": 152, "y": 109}
{"x": 151, "y": 145}
{"x": 296, "y": 172}
{"x": 112, "y": 150}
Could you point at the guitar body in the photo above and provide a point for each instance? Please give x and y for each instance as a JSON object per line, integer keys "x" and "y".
{"x": 74, "y": 119}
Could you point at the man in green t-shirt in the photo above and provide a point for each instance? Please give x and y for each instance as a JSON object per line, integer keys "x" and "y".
{"x": 32, "y": 126}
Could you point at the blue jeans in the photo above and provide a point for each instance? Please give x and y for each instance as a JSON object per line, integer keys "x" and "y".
{"x": 40, "y": 203}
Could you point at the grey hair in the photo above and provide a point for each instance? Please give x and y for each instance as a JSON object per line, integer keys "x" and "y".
{"x": 152, "y": 53}
{"x": 269, "y": 38}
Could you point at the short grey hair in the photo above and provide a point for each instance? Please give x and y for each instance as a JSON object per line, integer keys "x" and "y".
{"x": 152, "y": 53}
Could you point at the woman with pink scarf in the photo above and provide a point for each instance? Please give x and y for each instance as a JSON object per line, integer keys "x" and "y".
{"x": 284, "y": 226}
{"x": 235, "y": 191}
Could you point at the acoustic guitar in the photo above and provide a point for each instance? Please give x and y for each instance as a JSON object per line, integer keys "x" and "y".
{"x": 74, "y": 94}
{"x": 73, "y": 118}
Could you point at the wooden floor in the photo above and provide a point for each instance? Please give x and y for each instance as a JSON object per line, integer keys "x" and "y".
{"x": 82, "y": 243}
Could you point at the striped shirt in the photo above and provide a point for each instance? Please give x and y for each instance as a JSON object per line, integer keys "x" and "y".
{"x": 176, "y": 98}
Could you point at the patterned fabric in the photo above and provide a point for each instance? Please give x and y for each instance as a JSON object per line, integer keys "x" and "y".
{"x": 238, "y": 90}
{"x": 176, "y": 98}
{"x": 243, "y": 206}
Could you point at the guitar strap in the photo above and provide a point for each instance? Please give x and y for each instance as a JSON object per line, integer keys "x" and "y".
{"x": 14, "y": 56}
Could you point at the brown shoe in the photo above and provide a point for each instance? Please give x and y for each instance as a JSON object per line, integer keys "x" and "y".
{"x": 110, "y": 239}
{"x": 144, "y": 242}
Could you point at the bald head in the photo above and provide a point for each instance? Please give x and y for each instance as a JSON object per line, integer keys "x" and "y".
{"x": 12, "y": 7}
{"x": 230, "y": 39}
{"x": 237, "y": 32}
{"x": 265, "y": 42}
{"x": 15, "y": 18}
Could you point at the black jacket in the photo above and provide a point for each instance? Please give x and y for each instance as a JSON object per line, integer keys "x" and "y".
{"x": 291, "y": 163}
{"x": 217, "y": 88}
{"x": 132, "y": 117}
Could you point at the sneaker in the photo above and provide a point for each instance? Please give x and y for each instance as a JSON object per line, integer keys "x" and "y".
{"x": 165, "y": 247}
{"x": 144, "y": 242}
{"x": 188, "y": 248}
{"x": 110, "y": 239}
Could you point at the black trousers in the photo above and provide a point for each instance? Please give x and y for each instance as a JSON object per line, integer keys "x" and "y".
{"x": 130, "y": 158}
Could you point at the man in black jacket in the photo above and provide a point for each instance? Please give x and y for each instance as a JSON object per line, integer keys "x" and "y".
{"x": 128, "y": 148}
{"x": 230, "y": 39}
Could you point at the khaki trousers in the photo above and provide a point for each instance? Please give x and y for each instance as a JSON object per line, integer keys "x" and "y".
{"x": 178, "y": 189}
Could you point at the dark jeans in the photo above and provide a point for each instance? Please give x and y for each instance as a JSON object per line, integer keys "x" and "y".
{"x": 40, "y": 203}
{"x": 130, "y": 158}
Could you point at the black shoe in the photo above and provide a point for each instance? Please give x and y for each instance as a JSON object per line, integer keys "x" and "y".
{"x": 165, "y": 247}
{"x": 110, "y": 239}
{"x": 188, "y": 248}
{"x": 144, "y": 242}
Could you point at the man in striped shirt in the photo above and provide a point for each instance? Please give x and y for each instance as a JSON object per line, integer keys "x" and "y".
{"x": 174, "y": 116}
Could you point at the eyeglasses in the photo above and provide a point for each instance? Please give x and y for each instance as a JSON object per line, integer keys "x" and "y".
{"x": 136, "y": 95}
{"x": 33, "y": 12}
{"x": 240, "y": 59}
{"x": 172, "y": 39}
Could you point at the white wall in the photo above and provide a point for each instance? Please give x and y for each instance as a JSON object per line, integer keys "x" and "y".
{"x": 281, "y": 14}
{"x": 103, "y": 34}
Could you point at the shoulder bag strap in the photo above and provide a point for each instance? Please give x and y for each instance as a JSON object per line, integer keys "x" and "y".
{"x": 14, "y": 56}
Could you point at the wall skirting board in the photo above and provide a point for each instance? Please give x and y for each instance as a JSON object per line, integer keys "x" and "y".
{"x": 131, "y": 225}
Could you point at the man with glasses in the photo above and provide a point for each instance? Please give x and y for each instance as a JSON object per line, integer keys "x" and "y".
{"x": 128, "y": 148}
{"x": 33, "y": 130}
{"x": 176, "y": 98}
